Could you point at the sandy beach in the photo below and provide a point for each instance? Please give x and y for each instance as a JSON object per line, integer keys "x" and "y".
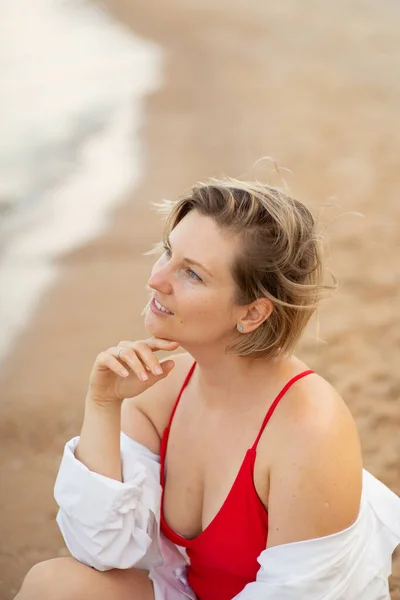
{"x": 317, "y": 88}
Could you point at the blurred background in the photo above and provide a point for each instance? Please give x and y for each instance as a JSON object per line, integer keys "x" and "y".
{"x": 107, "y": 107}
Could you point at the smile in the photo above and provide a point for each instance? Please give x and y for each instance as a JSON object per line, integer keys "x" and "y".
{"x": 157, "y": 307}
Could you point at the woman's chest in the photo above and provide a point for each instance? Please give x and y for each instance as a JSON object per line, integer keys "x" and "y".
{"x": 204, "y": 456}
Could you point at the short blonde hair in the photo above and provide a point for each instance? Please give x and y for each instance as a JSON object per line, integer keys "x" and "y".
{"x": 279, "y": 258}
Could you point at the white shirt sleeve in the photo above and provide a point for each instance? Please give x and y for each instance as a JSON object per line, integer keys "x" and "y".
{"x": 353, "y": 564}
{"x": 106, "y": 523}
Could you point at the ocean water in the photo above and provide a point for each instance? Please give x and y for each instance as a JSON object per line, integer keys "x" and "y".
{"x": 73, "y": 84}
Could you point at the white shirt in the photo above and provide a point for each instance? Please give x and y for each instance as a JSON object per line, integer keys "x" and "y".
{"x": 110, "y": 524}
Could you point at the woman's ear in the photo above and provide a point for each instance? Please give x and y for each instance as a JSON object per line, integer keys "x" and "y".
{"x": 257, "y": 312}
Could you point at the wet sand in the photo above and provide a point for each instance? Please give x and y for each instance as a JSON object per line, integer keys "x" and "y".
{"x": 318, "y": 89}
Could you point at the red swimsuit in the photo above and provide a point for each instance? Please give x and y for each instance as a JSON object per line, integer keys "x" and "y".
{"x": 223, "y": 558}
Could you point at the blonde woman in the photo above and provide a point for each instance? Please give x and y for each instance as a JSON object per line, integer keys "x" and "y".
{"x": 238, "y": 471}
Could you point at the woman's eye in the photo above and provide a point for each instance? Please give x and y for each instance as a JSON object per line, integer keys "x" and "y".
{"x": 193, "y": 275}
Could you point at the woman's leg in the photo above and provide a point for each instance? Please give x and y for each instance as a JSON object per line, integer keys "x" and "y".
{"x": 68, "y": 579}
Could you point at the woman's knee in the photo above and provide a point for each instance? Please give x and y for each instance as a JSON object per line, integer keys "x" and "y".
{"x": 68, "y": 579}
{"x": 54, "y": 578}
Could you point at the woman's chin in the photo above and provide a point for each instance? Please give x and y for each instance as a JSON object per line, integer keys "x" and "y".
{"x": 159, "y": 331}
{"x": 154, "y": 326}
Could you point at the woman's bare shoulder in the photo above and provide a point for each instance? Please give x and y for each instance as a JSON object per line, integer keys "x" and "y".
{"x": 321, "y": 459}
{"x": 313, "y": 402}
{"x": 313, "y": 407}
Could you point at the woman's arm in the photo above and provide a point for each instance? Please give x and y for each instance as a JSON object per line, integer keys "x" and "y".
{"x": 108, "y": 485}
{"x": 142, "y": 418}
{"x": 99, "y": 444}
{"x": 316, "y": 478}
{"x": 116, "y": 374}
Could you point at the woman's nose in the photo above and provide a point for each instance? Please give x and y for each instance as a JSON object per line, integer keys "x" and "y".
{"x": 159, "y": 280}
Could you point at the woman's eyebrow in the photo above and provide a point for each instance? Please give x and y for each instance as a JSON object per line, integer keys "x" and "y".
{"x": 191, "y": 261}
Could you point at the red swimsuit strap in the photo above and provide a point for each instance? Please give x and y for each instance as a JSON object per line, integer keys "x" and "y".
{"x": 188, "y": 376}
{"x": 164, "y": 441}
{"x": 276, "y": 401}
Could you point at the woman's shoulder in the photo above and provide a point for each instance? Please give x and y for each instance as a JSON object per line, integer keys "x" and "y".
{"x": 320, "y": 457}
{"x": 314, "y": 409}
{"x": 314, "y": 403}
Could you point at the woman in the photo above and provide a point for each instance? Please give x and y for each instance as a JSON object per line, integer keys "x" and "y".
{"x": 263, "y": 494}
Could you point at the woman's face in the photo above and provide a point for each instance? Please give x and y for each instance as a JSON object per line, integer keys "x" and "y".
{"x": 192, "y": 280}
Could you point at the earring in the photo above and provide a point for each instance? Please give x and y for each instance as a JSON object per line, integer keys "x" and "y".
{"x": 240, "y": 327}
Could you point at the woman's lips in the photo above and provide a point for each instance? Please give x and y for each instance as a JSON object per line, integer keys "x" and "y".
{"x": 154, "y": 308}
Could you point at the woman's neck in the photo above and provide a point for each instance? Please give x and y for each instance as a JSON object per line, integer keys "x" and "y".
{"x": 224, "y": 377}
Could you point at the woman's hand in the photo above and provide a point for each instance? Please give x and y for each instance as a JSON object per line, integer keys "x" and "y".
{"x": 127, "y": 370}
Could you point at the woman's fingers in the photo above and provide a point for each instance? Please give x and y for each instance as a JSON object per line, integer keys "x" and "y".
{"x": 130, "y": 358}
{"x": 141, "y": 353}
{"x": 153, "y": 343}
{"x": 148, "y": 358}
{"x": 114, "y": 365}
{"x": 135, "y": 362}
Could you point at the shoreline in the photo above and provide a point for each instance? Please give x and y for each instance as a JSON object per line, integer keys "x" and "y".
{"x": 90, "y": 120}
